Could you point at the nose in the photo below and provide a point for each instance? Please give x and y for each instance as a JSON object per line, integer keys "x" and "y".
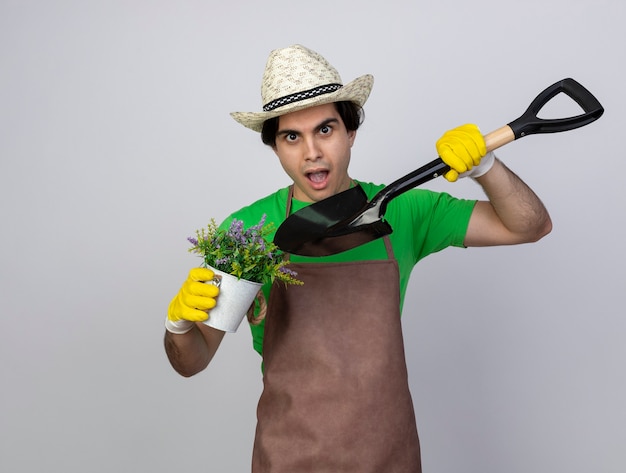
{"x": 312, "y": 149}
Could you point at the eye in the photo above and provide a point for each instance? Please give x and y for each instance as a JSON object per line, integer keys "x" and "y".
{"x": 290, "y": 137}
{"x": 326, "y": 130}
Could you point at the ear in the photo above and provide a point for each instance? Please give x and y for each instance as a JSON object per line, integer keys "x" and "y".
{"x": 351, "y": 137}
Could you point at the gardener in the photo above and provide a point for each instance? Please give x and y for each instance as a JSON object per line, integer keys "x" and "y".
{"x": 336, "y": 396}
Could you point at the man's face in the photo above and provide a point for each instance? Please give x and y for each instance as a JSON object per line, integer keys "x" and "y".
{"x": 313, "y": 147}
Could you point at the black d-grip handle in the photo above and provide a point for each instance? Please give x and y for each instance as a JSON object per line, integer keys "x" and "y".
{"x": 529, "y": 123}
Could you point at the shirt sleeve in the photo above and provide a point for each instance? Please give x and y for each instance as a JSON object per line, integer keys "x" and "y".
{"x": 428, "y": 222}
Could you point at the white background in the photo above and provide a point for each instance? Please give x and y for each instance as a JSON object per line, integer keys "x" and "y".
{"x": 116, "y": 144}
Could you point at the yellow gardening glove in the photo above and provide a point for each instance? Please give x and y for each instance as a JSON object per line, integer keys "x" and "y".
{"x": 192, "y": 302}
{"x": 464, "y": 150}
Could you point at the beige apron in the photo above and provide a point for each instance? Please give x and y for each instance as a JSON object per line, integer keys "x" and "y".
{"x": 336, "y": 396}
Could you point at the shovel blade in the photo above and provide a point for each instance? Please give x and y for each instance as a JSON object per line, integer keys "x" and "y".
{"x": 328, "y": 244}
{"x": 309, "y": 225}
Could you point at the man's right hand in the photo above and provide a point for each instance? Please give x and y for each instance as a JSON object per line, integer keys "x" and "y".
{"x": 192, "y": 302}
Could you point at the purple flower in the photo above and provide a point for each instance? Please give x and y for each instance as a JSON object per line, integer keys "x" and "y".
{"x": 288, "y": 271}
{"x": 259, "y": 226}
{"x": 193, "y": 241}
{"x": 236, "y": 232}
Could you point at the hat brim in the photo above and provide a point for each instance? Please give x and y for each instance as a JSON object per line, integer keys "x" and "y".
{"x": 356, "y": 91}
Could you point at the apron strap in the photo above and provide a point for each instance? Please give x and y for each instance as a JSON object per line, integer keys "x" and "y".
{"x": 289, "y": 198}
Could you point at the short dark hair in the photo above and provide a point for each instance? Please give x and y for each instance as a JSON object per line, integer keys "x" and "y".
{"x": 351, "y": 114}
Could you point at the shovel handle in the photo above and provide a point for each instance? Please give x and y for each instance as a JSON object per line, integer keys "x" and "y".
{"x": 527, "y": 124}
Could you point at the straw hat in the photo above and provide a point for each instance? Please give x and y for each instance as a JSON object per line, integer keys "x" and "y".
{"x": 296, "y": 78}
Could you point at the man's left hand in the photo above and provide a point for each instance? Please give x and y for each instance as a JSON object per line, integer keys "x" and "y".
{"x": 464, "y": 150}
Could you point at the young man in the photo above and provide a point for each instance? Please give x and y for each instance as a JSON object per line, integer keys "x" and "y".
{"x": 336, "y": 395}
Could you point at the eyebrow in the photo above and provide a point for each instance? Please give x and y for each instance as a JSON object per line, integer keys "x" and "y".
{"x": 326, "y": 122}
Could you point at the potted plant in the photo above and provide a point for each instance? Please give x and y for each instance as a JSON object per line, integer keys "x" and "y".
{"x": 242, "y": 260}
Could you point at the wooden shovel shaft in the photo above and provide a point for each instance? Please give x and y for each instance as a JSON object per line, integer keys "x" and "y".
{"x": 499, "y": 137}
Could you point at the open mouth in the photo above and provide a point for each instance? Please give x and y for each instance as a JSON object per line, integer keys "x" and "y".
{"x": 317, "y": 177}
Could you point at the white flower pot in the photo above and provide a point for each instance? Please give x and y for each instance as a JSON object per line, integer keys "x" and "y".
{"x": 235, "y": 298}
